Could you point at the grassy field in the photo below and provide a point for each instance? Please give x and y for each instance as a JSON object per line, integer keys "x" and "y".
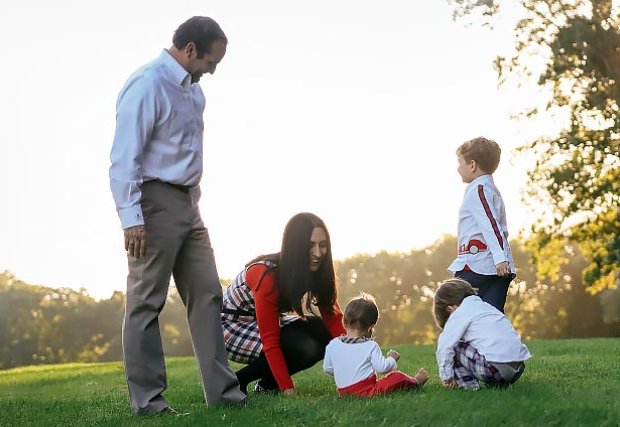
{"x": 567, "y": 383}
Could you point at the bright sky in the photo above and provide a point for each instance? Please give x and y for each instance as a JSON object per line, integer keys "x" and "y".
{"x": 350, "y": 109}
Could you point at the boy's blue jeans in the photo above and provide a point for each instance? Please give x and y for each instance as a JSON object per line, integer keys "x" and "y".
{"x": 492, "y": 289}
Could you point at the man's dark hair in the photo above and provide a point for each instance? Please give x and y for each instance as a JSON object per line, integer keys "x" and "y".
{"x": 200, "y": 30}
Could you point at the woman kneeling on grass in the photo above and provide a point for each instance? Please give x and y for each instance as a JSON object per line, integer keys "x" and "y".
{"x": 257, "y": 329}
{"x": 478, "y": 342}
{"x": 355, "y": 359}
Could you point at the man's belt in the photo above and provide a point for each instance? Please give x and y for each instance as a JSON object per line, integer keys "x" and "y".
{"x": 184, "y": 188}
{"x": 236, "y": 311}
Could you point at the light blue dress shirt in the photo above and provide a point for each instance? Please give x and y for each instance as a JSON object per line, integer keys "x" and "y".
{"x": 159, "y": 129}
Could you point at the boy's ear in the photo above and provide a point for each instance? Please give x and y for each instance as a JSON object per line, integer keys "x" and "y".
{"x": 474, "y": 166}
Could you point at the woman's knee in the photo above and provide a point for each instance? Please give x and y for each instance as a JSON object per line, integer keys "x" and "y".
{"x": 317, "y": 329}
{"x": 313, "y": 349}
{"x": 304, "y": 353}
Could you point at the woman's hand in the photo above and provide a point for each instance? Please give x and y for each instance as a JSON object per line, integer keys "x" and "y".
{"x": 290, "y": 392}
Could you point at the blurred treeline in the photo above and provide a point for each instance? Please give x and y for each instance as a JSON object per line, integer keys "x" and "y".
{"x": 43, "y": 325}
{"x": 404, "y": 284}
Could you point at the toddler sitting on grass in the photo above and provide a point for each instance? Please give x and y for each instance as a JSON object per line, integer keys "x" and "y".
{"x": 355, "y": 359}
{"x": 478, "y": 344}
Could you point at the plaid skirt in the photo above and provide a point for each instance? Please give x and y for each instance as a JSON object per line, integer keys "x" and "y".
{"x": 242, "y": 337}
{"x": 239, "y": 324}
{"x": 470, "y": 367}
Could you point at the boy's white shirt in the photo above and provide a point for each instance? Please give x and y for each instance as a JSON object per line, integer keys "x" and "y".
{"x": 475, "y": 223}
{"x": 352, "y": 363}
{"x": 486, "y": 328}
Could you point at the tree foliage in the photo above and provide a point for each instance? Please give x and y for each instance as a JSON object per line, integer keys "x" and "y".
{"x": 577, "y": 171}
{"x": 404, "y": 283}
{"x": 56, "y": 325}
{"x": 40, "y": 325}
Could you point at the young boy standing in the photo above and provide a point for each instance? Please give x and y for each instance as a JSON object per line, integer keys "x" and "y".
{"x": 484, "y": 257}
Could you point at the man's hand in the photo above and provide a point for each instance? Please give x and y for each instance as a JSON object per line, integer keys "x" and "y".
{"x": 394, "y": 354}
{"x": 135, "y": 241}
{"x": 290, "y": 392}
{"x": 502, "y": 269}
{"x": 451, "y": 384}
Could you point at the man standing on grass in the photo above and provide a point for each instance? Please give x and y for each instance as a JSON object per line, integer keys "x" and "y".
{"x": 155, "y": 175}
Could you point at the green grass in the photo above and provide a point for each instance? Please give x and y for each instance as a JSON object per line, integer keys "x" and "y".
{"x": 567, "y": 383}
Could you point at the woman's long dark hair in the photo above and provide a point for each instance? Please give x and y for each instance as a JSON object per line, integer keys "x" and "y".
{"x": 295, "y": 280}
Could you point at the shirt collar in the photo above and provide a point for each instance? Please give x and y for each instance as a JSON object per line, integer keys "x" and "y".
{"x": 483, "y": 179}
{"x": 349, "y": 340}
{"x": 178, "y": 73}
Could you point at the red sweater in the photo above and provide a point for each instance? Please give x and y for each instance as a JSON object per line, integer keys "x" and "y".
{"x": 268, "y": 318}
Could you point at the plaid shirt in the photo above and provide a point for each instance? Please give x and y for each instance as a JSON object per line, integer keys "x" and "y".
{"x": 239, "y": 324}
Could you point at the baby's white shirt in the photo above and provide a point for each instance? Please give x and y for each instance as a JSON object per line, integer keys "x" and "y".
{"x": 352, "y": 363}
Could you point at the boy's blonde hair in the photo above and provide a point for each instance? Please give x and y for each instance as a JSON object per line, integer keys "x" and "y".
{"x": 450, "y": 292}
{"x": 361, "y": 312}
{"x": 484, "y": 151}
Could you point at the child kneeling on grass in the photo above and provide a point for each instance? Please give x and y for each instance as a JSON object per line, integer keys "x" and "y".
{"x": 478, "y": 343}
{"x": 355, "y": 359}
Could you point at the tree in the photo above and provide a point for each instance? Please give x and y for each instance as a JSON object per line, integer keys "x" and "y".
{"x": 56, "y": 325}
{"x": 19, "y": 322}
{"x": 577, "y": 171}
{"x": 41, "y": 325}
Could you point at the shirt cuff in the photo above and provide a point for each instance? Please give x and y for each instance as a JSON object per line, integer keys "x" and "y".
{"x": 131, "y": 217}
{"x": 499, "y": 258}
{"x": 285, "y": 383}
{"x": 446, "y": 374}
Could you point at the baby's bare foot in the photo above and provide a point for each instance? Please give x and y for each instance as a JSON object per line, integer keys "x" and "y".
{"x": 421, "y": 377}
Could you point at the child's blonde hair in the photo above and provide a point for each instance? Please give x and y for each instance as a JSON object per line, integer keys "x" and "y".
{"x": 361, "y": 312}
{"x": 450, "y": 292}
{"x": 484, "y": 151}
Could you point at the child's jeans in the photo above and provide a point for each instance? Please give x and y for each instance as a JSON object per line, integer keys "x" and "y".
{"x": 491, "y": 289}
{"x": 372, "y": 386}
{"x": 470, "y": 367}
